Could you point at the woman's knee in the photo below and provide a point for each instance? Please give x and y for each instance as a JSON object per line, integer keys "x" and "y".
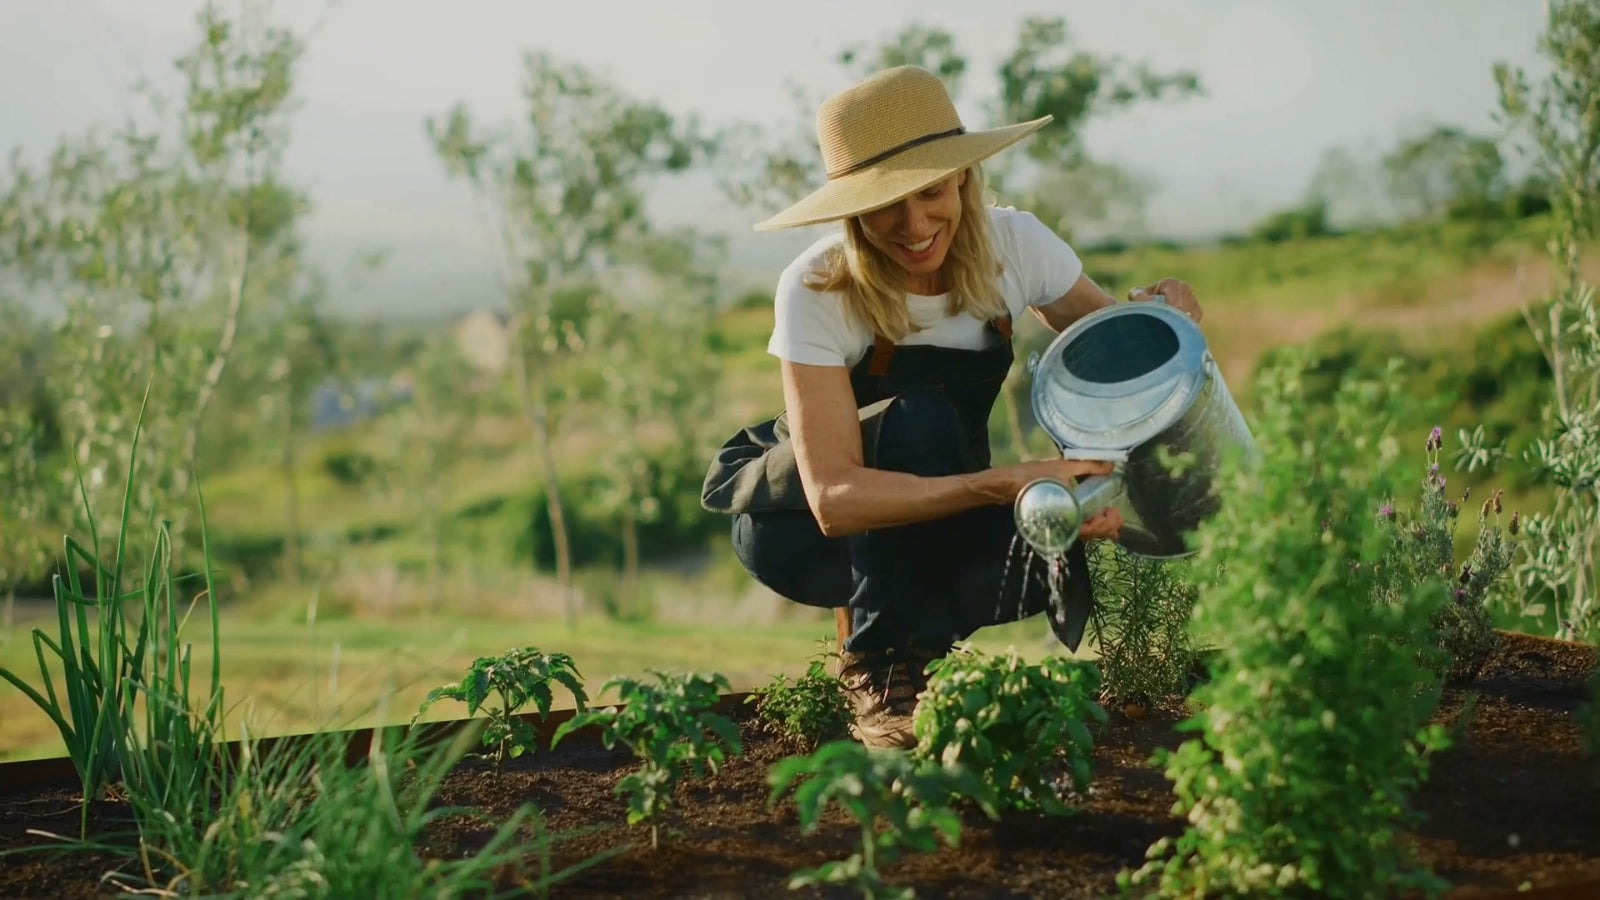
{"x": 786, "y": 552}
{"x": 922, "y": 434}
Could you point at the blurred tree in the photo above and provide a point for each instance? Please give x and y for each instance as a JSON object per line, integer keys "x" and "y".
{"x": 564, "y": 194}
{"x": 1304, "y": 221}
{"x": 1445, "y": 172}
{"x": 26, "y": 515}
{"x": 659, "y": 386}
{"x": 1350, "y": 185}
{"x": 150, "y": 236}
{"x": 429, "y": 434}
{"x": 1560, "y": 118}
{"x": 770, "y": 167}
{"x": 296, "y": 349}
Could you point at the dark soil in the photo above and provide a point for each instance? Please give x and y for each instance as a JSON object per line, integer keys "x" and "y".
{"x": 1515, "y": 804}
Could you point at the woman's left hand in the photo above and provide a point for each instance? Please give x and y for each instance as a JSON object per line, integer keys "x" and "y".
{"x": 1178, "y": 294}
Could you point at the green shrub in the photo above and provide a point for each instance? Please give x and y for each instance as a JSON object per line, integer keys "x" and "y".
{"x": 349, "y": 466}
{"x": 516, "y": 677}
{"x": 812, "y": 708}
{"x": 1020, "y": 727}
{"x": 1489, "y": 383}
{"x": 522, "y": 521}
{"x": 671, "y": 726}
{"x": 1313, "y": 728}
{"x": 898, "y": 801}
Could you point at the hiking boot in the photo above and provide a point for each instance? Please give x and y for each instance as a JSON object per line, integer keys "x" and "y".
{"x": 883, "y": 686}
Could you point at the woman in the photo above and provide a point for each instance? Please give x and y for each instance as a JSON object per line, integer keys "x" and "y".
{"x": 873, "y": 493}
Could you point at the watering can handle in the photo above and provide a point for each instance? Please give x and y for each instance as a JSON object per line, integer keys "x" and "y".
{"x": 1097, "y": 492}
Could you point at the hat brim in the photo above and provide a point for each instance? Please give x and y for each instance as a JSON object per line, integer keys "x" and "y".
{"x": 898, "y": 177}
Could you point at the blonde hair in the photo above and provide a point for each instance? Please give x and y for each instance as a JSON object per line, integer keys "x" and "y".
{"x": 874, "y": 286}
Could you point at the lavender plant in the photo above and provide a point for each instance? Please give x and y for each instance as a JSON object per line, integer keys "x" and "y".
{"x": 1315, "y": 726}
{"x": 1421, "y": 547}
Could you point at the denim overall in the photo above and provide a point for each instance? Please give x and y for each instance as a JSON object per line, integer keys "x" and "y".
{"x": 924, "y": 410}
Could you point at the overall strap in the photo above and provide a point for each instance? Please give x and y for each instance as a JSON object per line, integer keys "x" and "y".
{"x": 883, "y": 349}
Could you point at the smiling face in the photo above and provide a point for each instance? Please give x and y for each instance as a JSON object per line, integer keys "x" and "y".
{"x": 916, "y": 232}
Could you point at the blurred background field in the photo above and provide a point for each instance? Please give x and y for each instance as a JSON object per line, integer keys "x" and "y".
{"x": 379, "y": 488}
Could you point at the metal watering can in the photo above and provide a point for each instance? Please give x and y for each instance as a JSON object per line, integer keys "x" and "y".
{"x": 1131, "y": 383}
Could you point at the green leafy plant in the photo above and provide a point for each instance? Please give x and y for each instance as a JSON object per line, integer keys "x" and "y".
{"x": 291, "y": 819}
{"x": 1560, "y": 565}
{"x": 295, "y": 820}
{"x": 812, "y": 708}
{"x": 671, "y": 726}
{"x": 516, "y": 677}
{"x": 899, "y": 801}
{"x": 1314, "y": 727}
{"x": 1019, "y": 726}
{"x": 1421, "y": 549}
{"x": 158, "y": 750}
{"x": 1141, "y": 625}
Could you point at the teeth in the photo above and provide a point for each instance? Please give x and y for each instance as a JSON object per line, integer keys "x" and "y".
{"x": 918, "y": 248}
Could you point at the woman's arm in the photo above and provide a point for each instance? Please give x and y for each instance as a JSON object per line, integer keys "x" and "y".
{"x": 1082, "y": 298}
{"x": 847, "y": 497}
{"x": 1085, "y": 297}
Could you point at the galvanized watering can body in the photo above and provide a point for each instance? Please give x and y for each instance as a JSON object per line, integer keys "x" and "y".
{"x": 1134, "y": 383}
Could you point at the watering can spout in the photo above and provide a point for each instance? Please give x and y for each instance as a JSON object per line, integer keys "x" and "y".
{"x": 1049, "y": 514}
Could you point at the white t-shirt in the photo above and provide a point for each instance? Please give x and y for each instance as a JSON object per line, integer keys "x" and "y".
{"x": 810, "y": 327}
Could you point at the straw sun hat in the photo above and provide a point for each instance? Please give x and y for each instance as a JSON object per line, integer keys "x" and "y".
{"x": 887, "y": 138}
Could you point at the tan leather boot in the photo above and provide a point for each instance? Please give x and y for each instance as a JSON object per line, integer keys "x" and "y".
{"x": 883, "y": 686}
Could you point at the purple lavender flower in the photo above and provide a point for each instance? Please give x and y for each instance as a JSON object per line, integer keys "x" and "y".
{"x": 1435, "y": 439}
{"x": 1515, "y": 518}
{"x": 1386, "y": 511}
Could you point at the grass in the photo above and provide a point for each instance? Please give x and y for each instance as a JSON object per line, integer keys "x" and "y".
{"x": 296, "y": 677}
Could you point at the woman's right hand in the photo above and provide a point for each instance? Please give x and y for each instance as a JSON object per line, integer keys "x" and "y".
{"x": 1103, "y": 525}
{"x": 1062, "y": 470}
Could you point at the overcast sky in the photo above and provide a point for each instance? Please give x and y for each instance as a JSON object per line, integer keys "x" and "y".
{"x": 1285, "y": 79}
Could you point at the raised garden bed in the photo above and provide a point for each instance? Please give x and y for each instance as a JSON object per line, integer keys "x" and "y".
{"x": 1513, "y": 805}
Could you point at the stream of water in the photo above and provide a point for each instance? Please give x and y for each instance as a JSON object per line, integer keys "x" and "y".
{"x": 1056, "y": 573}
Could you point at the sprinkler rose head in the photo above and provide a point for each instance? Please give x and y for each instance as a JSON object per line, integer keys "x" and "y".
{"x": 1048, "y": 516}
